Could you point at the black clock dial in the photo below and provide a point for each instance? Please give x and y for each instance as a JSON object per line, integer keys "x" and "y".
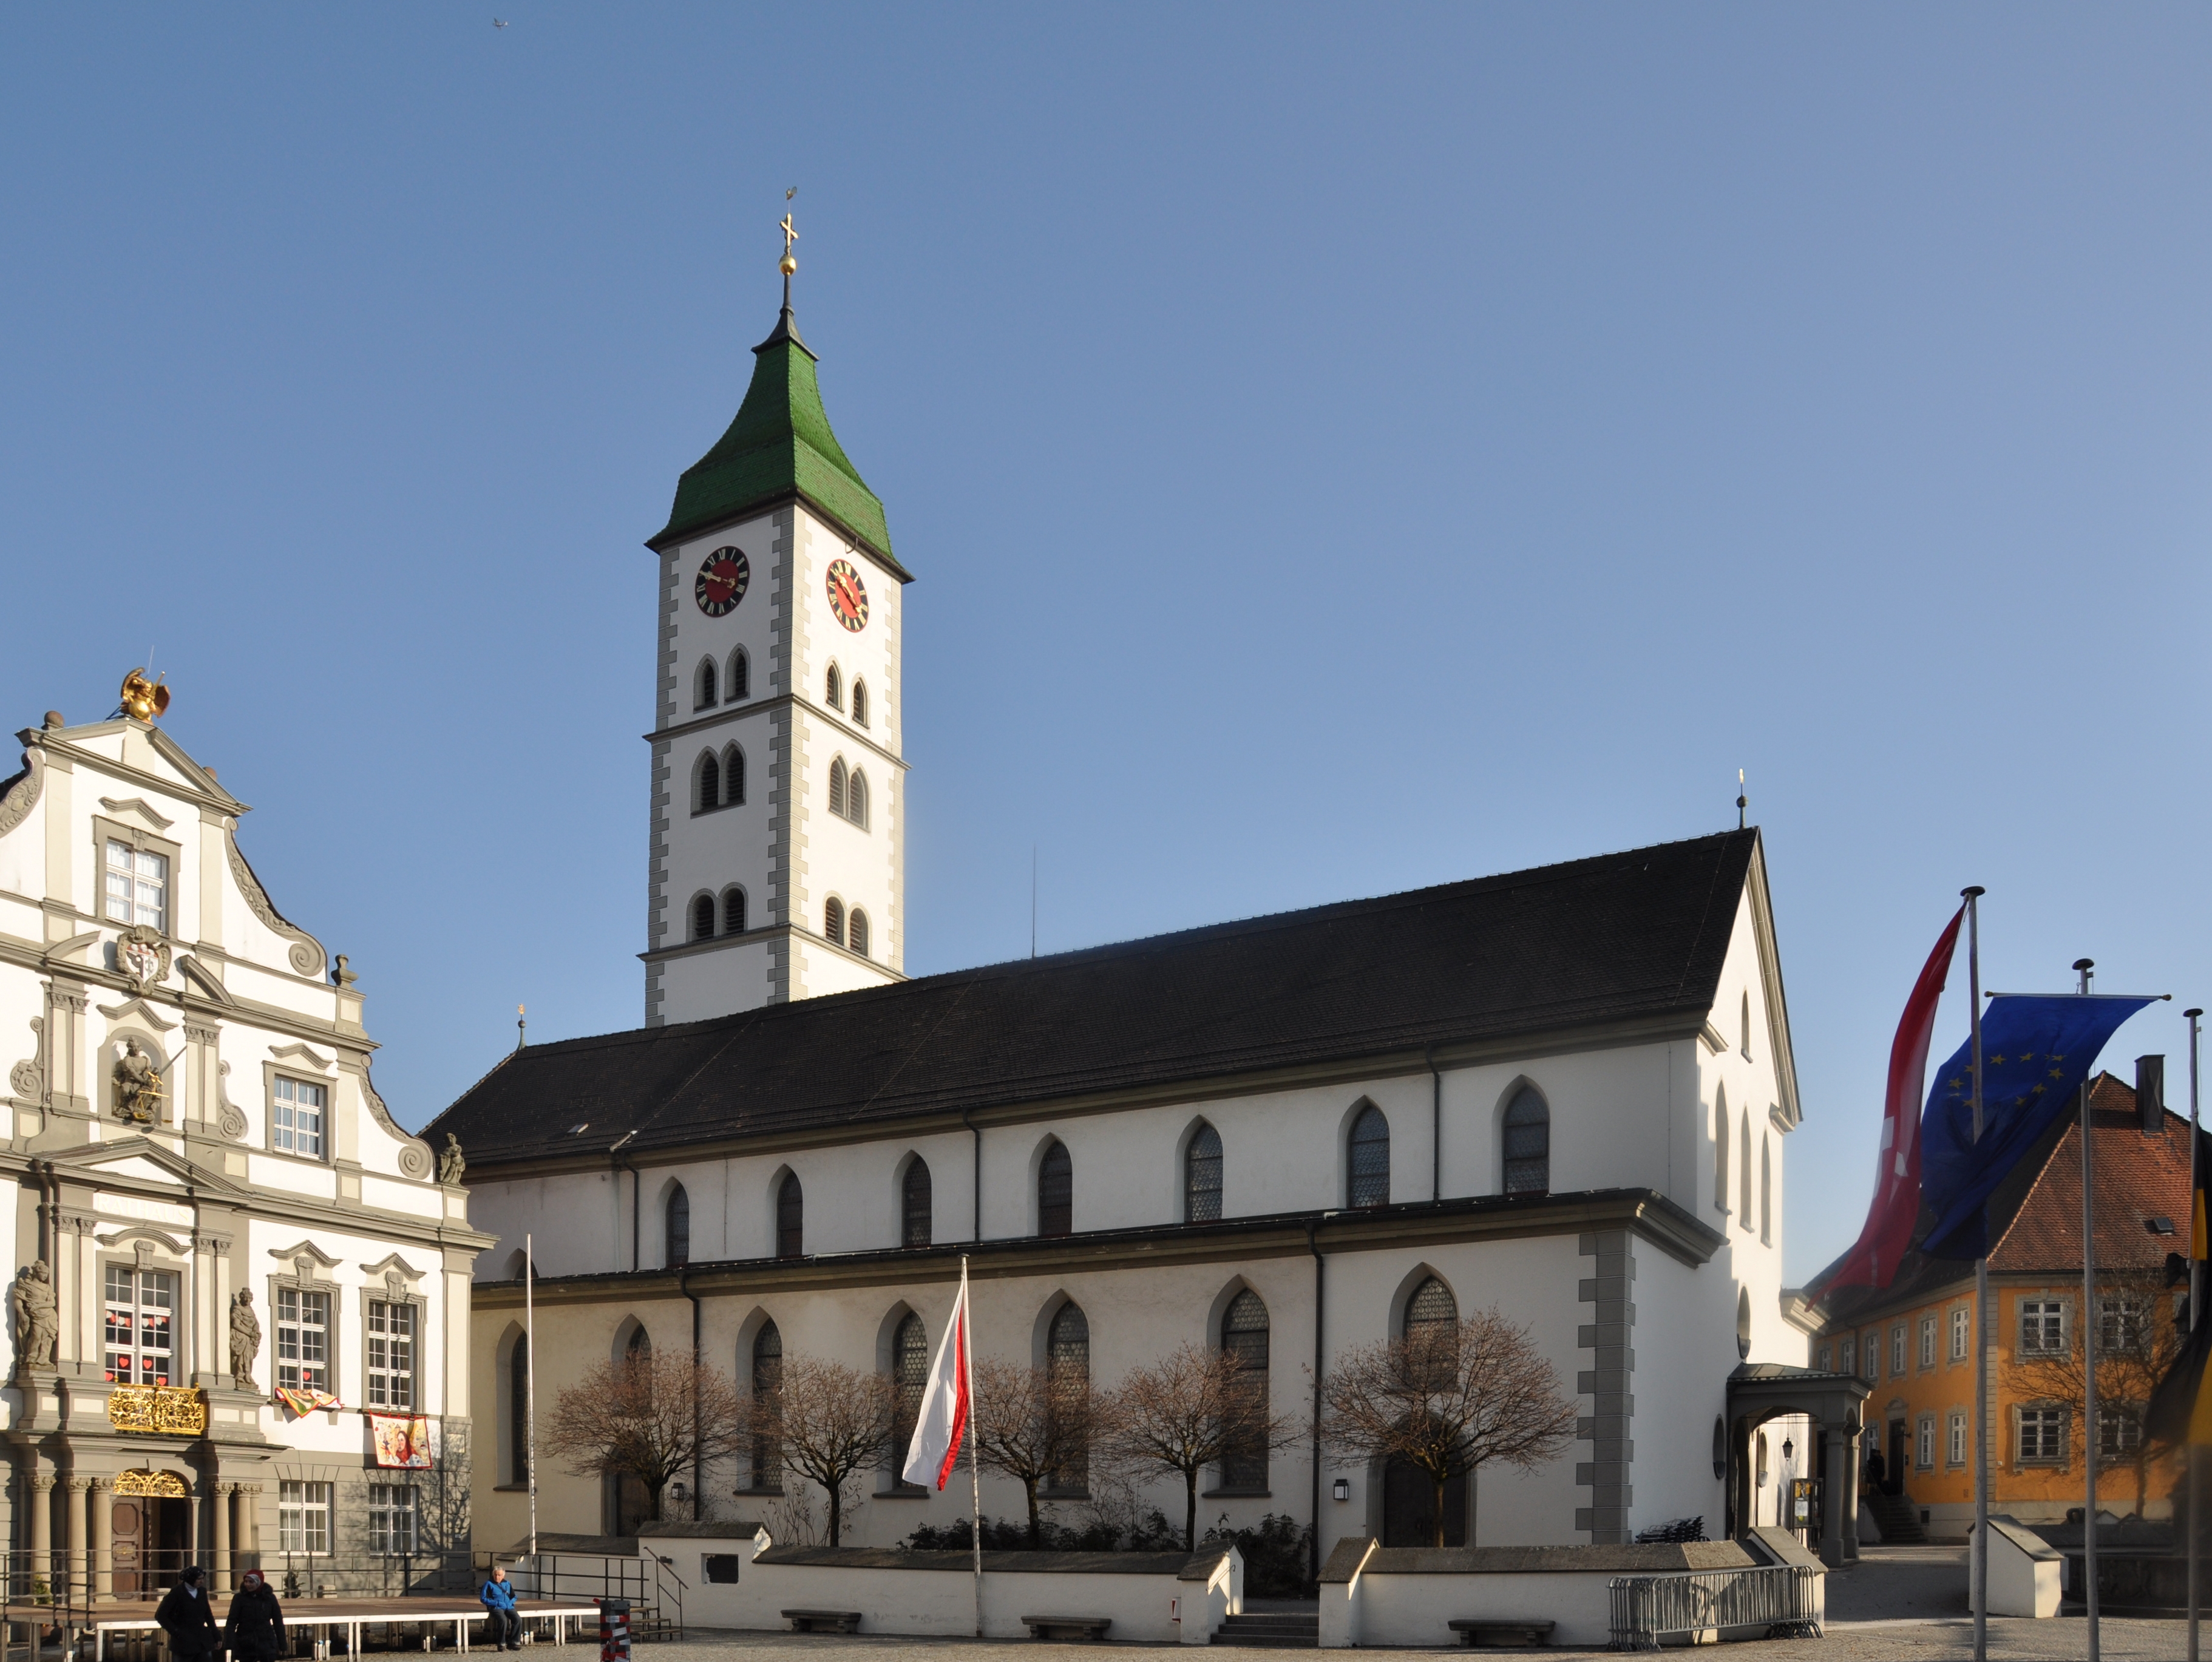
{"x": 721, "y": 581}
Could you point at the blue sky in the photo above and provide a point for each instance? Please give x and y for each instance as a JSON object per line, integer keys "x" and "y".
{"x": 1340, "y": 450}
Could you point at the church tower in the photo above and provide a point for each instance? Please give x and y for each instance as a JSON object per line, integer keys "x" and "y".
{"x": 778, "y": 864}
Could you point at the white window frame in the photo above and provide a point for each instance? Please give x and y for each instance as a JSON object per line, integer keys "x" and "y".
{"x": 300, "y": 1372}
{"x": 1956, "y": 1449}
{"x": 287, "y": 1132}
{"x": 394, "y": 1388}
{"x": 395, "y": 1518}
{"x": 1870, "y": 1356}
{"x": 1962, "y": 1332}
{"x": 1927, "y": 1343}
{"x": 2123, "y": 1419}
{"x": 2130, "y": 1315}
{"x": 2044, "y": 1313}
{"x": 303, "y": 1518}
{"x": 143, "y": 1364}
{"x": 1897, "y": 1351}
{"x": 2045, "y": 1417}
{"x": 143, "y": 876}
{"x": 1924, "y": 1443}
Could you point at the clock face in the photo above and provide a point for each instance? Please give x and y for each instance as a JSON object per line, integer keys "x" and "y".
{"x": 721, "y": 581}
{"x": 848, "y": 599}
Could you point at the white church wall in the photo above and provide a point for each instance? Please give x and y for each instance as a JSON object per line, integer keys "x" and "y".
{"x": 700, "y": 986}
{"x": 1685, "y": 1343}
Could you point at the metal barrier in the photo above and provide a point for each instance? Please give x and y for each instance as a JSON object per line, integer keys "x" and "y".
{"x": 1784, "y": 1600}
{"x": 652, "y": 1587}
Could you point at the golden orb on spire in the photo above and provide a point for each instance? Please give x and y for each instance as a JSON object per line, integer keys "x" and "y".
{"x": 141, "y": 698}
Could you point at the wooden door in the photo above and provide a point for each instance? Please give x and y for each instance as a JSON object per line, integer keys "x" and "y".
{"x": 1409, "y": 1508}
{"x": 128, "y": 1533}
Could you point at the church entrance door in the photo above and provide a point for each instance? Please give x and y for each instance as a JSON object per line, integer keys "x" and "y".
{"x": 1409, "y": 1503}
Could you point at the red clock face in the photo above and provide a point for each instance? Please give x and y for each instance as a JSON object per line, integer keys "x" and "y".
{"x": 721, "y": 581}
{"x": 848, "y": 599}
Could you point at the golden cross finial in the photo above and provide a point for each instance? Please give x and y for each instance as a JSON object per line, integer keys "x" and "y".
{"x": 790, "y": 236}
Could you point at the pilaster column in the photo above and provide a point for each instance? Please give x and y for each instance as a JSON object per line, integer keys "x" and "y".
{"x": 78, "y": 1488}
{"x": 219, "y": 1571}
{"x": 41, "y": 1486}
{"x": 241, "y": 1524}
{"x": 103, "y": 1537}
{"x": 248, "y": 1534}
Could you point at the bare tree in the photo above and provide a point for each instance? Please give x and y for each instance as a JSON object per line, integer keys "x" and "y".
{"x": 1457, "y": 1396}
{"x": 2138, "y": 1338}
{"x": 1031, "y": 1424}
{"x": 648, "y": 1416}
{"x": 832, "y": 1423}
{"x": 1189, "y": 1410}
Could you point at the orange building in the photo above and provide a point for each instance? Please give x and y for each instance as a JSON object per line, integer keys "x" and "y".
{"x": 1913, "y": 1341}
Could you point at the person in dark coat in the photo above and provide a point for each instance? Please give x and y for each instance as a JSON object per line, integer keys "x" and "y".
{"x": 255, "y": 1632}
{"x": 187, "y": 1616}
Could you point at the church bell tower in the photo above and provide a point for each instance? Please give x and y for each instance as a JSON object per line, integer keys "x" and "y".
{"x": 779, "y": 791}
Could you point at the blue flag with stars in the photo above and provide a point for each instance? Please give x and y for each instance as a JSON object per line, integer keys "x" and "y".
{"x": 2036, "y": 1051}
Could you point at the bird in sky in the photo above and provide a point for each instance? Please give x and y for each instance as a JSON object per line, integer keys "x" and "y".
{"x": 499, "y": 23}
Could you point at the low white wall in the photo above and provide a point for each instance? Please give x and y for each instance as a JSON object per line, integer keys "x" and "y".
{"x": 2024, "y": 1571}
{"x": 1144, "y": 1606}
{"x": 1413, "y": 1609}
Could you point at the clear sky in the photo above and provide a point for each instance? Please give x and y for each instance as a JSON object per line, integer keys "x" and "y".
{"x": 1340, "y": 451}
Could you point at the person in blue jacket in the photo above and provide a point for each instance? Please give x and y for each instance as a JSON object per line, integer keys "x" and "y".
{"x": 506, "y": 1621}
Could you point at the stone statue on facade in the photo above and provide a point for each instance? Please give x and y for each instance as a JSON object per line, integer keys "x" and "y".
{"x": 38, "y": 1316}
{"x": 450, "y": 1163}
{"x": 244, "y": 1340}
{"x": 137, "y": 1086}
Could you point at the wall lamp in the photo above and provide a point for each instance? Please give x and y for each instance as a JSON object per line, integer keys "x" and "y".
{"x": 1341, "y": 1489}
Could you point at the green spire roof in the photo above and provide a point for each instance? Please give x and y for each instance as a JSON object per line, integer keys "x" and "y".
{"x": 780, "y": 445}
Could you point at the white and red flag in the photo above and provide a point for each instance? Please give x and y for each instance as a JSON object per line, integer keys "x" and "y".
{"x": 1888, "y": 1235}
{"x": 943, "y": 1420}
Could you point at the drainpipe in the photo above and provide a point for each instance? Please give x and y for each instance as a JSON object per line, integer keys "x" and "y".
{"x": 1436, "y": 1126}
{"x": 698, "y": 1467}
{"x": 1314, "y": 1543}
{"x": 976, "y": 1193}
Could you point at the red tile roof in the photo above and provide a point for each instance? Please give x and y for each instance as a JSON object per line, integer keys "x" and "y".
{"x": 2137, "y": 1178}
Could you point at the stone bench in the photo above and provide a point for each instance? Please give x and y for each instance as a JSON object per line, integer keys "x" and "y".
{"x": 1490, "y": 1631}
{"x": 822, "y": 1621}
{"x": 1067, "y": 1626}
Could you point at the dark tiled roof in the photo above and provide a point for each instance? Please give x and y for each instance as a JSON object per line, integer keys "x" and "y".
{"x": 1622, "y": 936}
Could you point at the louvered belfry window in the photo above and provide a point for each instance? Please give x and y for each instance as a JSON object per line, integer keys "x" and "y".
{"x": 837, "y": 788}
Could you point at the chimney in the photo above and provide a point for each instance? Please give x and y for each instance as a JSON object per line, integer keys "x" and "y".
{"x": 2151, "y": 1093}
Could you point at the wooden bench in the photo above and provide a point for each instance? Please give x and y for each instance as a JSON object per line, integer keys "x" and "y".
{"x": 818, "y": 1621}
{"x": 1486, "y": 1630}
{"x": 1067, "y": 1626}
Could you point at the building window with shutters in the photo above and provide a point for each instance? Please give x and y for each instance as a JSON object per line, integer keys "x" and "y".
{"x": 837, "y": 786}
{"x": 1201, "y": 1176}
{"x": 733, "y": 776}
{"x": 1528, "y": 1143}
{"x": 833, "y": 921}
{"x": 139, "y": 1340}
{"x": 303, "y": 1517}
{"x": 856, "y": 798}
{"x": 392, "y": 1514}
{"x": 914, "y": 1222}
{"x": 856, "y": 931}
{"x": 733, "y": 911}
{"x": 391, "y": 1354}
{"x": 833, "y": 689}
{"x": 707, "y": 785}
{"x": 740, "y": 687}
{"x": 1244, "y": 1336}
{"x": 860, "y": 703}
{"x": 303, "y": 1339}
{"x": 1056, "y": 1192}
{"x": 909, "y": 1378}
{"x": 702, "y": 918}
{"x": 1368, "y": 1180}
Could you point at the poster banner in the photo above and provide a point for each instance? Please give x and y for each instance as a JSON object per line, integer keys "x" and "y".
{"x": 400, "y": 1443}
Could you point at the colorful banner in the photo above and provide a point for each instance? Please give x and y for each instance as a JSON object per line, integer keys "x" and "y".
{"x": 304, "y": 1402}
{"x": 400, "y": 1442}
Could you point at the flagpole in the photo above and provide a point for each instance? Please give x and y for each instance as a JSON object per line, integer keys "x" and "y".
{"x": 2091, "y": 1327}
{"x": 2189, "y": 1451}
{"x": 975, "y": 1472}
{"x": 1977, "y": 1573}
{"x": 529, "y": 1383}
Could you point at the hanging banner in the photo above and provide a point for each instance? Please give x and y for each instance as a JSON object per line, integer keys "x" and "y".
{"x": 304, "y": 1402}
{"x": 401, "y": 1443}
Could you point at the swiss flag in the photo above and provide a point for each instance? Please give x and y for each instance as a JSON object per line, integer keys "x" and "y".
{"x": 1883, "y": 1241}
{"x": 943, "y": 1420}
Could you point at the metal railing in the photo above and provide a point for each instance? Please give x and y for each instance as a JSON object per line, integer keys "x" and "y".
{"x": 655, "y": 1589}
{"x": 1785, "y": 1599}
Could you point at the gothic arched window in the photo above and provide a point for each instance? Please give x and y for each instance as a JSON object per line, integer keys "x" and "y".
{"x": 833, "y": 920}
{"x": 1244, "y": 1336}
{"x": 706, "y": 792}
{"x": 1067, "y": 1358}
{"x": 1747, "y": 1027}
{"x": 861, "y": 703}
{"x": 833, "y": 689}
{"x": 913, "y": 1204}
{"x": 856, "y": 931}
{"x": 1056, "y": 1193}
{"x": 517, "y": 1406}
{"x": 733, "y": 911}
{"x": 1432, "y": 1308}
{"x": 837, "y": 786}
{"x": 909, "y": 1378}
{"x": 1201, "y": 1176}
{"x": 790, "y": 1218}
{"x": 1370, "y": 1147}
{"x": 856, "y": 798}
{"x": 733, "y": 776}
{"x": 703, "y": 692}
{"x": 1720, "y": 1150}
{"x": 678, "y": 1222}
{"x": 1765, "y": 1190}
{"x": 768, "y": 1382}
{"x": 1743, "y": 1142}
{"x": 741, "y": 676}
{"x": 1526, "y": 1143}
{"x": 702, "y": 918}
{"x": 639, "y": 1348}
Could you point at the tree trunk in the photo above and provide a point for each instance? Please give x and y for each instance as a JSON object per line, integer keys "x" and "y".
{"x": 1036, "y": 1527}
{"x": 1440, "y": 1483}
{"x": 652, "y": 1498}
{"x": 1190, "y": 1511}
{"x": 836, "y": 1510}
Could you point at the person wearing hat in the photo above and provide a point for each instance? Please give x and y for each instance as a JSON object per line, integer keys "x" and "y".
{"x": 187, "y": 1616}
{"x": 255, "y": 1632}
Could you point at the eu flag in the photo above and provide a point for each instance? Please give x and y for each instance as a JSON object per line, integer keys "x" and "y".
{"x": 2036, "y": 1051}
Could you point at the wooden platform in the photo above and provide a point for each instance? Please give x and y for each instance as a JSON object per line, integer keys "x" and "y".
{"x": 460, "y": 1609}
